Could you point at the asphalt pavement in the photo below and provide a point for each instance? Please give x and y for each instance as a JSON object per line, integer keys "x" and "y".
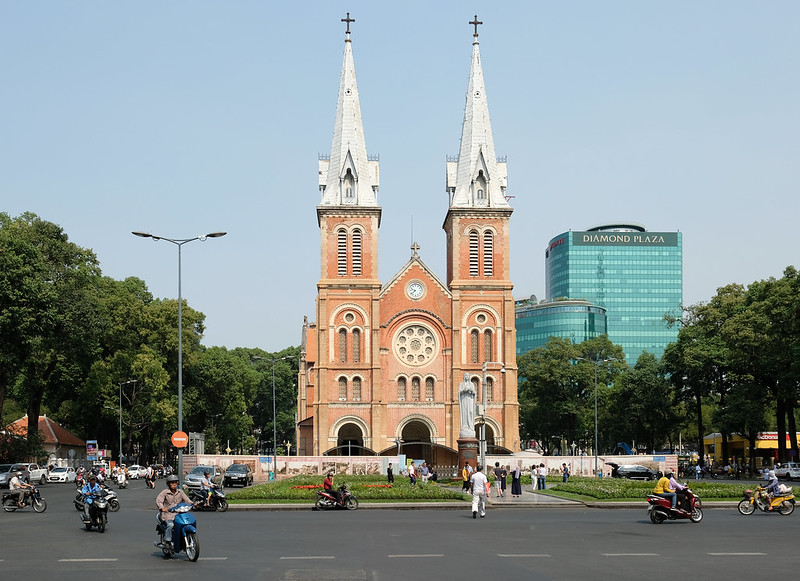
{"x": 574, "y": 542}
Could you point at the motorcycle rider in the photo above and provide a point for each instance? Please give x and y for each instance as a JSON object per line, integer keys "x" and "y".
{"x": 19, "y": 488}
{"x": 206, "y": 484}
{"x": 89, "y": 489}
{"x": 772, "y": 488}
{"x": 678, "y": 488}
{"x": 166, "y": 499}
{"x": 327, "y": 486}
{"x": 663, "y": 490}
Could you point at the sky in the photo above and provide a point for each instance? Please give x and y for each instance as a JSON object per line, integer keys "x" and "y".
{"x": 181, "y": 118}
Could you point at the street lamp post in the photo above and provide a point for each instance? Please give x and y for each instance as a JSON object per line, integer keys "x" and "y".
{"x": 483, "y": 406}
{"x": 179, "y": 242}
{"x": 133, "y": 381}
{"x": 274, "y": 413}
{"x": 595, "y": 363}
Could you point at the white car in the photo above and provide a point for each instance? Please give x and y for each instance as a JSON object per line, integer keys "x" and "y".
{"x": 135, "y": 471}
{"x": 61, "y": 475}
{"x": 788, "y": 471}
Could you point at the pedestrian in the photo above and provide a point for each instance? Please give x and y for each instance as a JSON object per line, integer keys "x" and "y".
{"x": 465, "y": 474}
{"x": 534, "y": 477}
{"x": 542, "y": 477}
{"x": 564, "y": 473}
{"x": 516, "y": 482}
{"x": 412, "y": 473}
{"x": 390, "y": 474}
{"x": 697, "y": 471}
{"x": 478, "y": 482}
{"x": 424, "y": 472}
{"x": 498, "y": 471}
{"x": 503, "y": 475}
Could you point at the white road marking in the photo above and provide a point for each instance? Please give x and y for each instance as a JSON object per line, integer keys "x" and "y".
{"x": 630, "y": 554}
{"x": 412, "y": 556}
{"x": 213, "y": 559}
{"x": 85, "y": 560}
{"x": 308, "y": 557}
{"x": 522, "y": 556}
{"x": 739, "y": 554}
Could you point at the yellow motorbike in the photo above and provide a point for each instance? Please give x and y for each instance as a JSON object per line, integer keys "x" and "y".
{"x": 760, "y": 499}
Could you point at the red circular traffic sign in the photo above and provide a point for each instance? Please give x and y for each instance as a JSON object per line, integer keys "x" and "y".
{"x": 180, "y": 439}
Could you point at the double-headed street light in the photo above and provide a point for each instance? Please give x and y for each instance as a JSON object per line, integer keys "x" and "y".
{"x": 274, "y": 413}
{"x": 596, "y": 363}
{"x": 482, "y": 413}
{"x": 179, "y": 242}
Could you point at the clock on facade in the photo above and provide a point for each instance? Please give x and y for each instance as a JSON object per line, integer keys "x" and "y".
{"x": 415, "y": 290}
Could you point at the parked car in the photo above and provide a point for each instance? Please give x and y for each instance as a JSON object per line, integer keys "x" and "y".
{"x": 788, "y": 471}
{"x": 7, "y": 472}
{"x": 633, "y": 471}
{"x": 238, "y": 474}
{"x": 135, "y": 471}
{"x": 61, "y": 474}
{"x": 35, "y": 472}
{"x": 194, "y": 477}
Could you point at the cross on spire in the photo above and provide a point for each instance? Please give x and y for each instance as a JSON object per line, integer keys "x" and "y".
{"x": 475, "y": 23}
{"x": 348, "y": 20}
{"x": 415, "y": 248}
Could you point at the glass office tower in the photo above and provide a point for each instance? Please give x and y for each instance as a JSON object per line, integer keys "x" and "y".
{"x": 635, "y": 274}
{"x": 574, "y": 320}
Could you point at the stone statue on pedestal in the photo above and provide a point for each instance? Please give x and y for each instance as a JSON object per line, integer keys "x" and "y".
{"x": 466, "y": 401}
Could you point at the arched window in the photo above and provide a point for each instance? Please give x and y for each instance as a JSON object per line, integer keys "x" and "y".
{"x": 356, "y": 345}
{"x": 341, "y": 238}
{"x": 349, "y": 182}
{"x": 415, "y": 388}
{"x": 480, "y": 186}
{"x": 487, "y": 345}
{"x": 356, "y": 389}
{"x": 489, "y": 389}
{"x": 356, "y": 252}
{"x": 401, "y": 389}
{"x": 342, "y": 389}
{"x": 473, "y": 253}
{"x": 488, "y": 252}
{"x": 477, "y": 386}
{"x": 429, "y": 388}
{"x": 342, "y": 345}
{"x": 473, "y": 347}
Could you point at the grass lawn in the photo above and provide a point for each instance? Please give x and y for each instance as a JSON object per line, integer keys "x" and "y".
{"x": 622, "y": 489}
{"x": 303, "y": 489}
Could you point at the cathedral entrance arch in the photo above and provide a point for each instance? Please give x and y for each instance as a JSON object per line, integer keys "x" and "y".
{"x": 350, "y": 433}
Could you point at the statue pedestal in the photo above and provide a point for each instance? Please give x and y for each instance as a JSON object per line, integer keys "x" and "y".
{"x": 467, "y": 452}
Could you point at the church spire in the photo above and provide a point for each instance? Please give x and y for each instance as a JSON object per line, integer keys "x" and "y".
{"x": 348, "y": 176}
{"x": 477, "y": 179}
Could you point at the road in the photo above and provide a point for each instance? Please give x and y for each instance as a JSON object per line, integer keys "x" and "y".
{"x": 383, "y": 545}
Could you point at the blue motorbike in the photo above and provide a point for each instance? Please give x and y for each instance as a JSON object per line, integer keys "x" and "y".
{"x": 184, "y": 533}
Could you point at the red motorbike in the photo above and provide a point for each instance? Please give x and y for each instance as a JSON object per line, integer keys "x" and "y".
{"x": 688, "y": 506}
{"x": 327, "y": 499}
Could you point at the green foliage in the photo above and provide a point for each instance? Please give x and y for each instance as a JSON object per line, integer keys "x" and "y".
{"x": 623, "y": 489}
{"x": 283, "y": 490}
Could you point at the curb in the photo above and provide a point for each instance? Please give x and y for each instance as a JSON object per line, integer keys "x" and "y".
{"x": 463, "y": 505}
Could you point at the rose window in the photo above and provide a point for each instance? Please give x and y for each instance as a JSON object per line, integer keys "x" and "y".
{"x": 415, "y": 345}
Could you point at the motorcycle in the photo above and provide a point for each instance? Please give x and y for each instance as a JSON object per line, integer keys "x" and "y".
{"x": 184, "y": 533}
{"x": 33, "y": 499}
{"x": 782, "y": 503}
{"x": 111, "y": 497}
{"x": 326, "y": 499}
{"x": 688, "y": 506}
{"x": 216, "y": 500}
{"x": 122, "y": 480}
{"x": 98, "y": 512}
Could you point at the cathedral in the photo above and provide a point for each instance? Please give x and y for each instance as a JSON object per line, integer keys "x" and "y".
{"x": 382, "y": 363}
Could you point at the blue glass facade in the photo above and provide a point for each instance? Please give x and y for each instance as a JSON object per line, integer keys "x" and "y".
{"x": 573, "y": 320}
{"x": 635, "y": 274}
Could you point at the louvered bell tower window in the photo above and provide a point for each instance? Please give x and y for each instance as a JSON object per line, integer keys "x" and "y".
{"x": 488, "y": 252}
{"x": 473, "y": 253}
{"x": 342, "y": 389}
{"x": 341, "y": 237}
{"x": 356, "y": 252}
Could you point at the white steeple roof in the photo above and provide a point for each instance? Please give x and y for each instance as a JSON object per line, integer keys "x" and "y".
{"x": 477, "y": 179}
{"x": 348, "y": 177}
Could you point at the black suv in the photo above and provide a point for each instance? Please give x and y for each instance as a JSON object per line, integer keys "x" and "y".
{"x": 239, "y": 474}
{"x": 633, "y": 471}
